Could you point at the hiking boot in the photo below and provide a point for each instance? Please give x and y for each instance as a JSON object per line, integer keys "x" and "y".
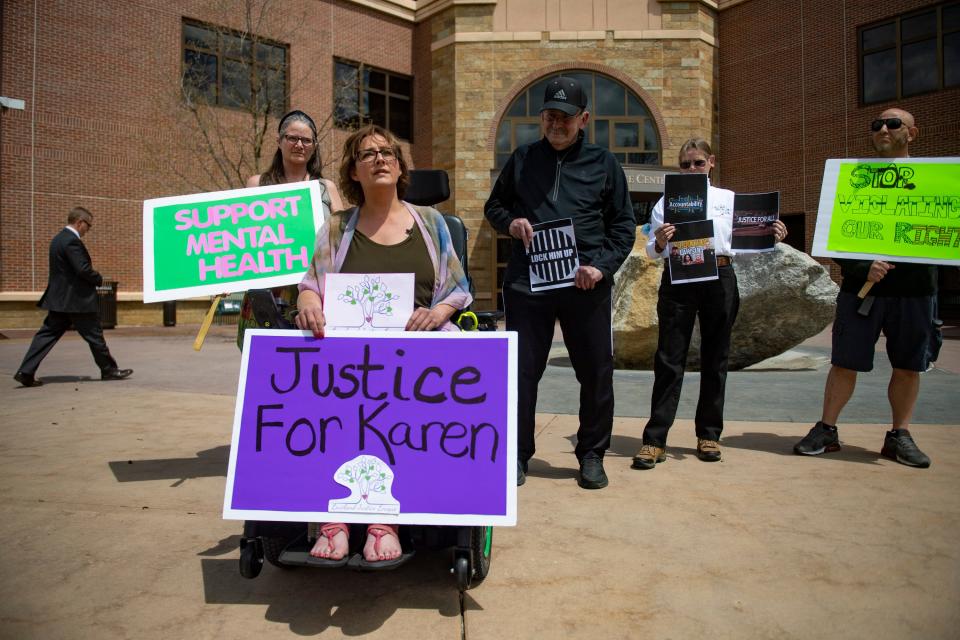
{"x": 899, "y": 445}
{"x": 592, "y": 475}
{"x": 708, "y": 450}
{"x": 648, "y": 457}
{"x": 820, "y": 439}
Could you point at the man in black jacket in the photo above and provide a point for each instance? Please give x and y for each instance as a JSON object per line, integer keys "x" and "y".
{"x": 70, "y": 298}
{"x": 555, "y": 178}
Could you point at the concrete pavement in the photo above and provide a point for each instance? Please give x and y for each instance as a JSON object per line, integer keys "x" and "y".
{"x": 112, "y": 493}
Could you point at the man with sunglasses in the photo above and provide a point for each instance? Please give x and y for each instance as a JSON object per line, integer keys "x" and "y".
{"x": 70, "y": 300}
{"x": 557, "y": 177}
{"x": 903, "y": 308}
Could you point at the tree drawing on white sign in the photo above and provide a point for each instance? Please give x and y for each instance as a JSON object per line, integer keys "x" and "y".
{"x": 372, "y": 296}
{"x": 366, "y": 475}
{"x": 370, "y": 481}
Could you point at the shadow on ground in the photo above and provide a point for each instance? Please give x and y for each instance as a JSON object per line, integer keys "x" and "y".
{"x": 312, "y": 601}
{"x": 783, "y": 445}
{"x": 208, "y": 463}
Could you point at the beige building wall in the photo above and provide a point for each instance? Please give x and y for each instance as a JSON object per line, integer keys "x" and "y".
{"x": 575, "y": 15}
{"x": 663, "y": 51}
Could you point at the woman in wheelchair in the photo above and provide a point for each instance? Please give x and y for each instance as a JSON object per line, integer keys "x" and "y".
{"x": 382, "y": 234}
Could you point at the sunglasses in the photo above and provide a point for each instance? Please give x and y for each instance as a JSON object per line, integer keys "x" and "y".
{"x": 892, "y": 124}
{"x": 699, "y": 164}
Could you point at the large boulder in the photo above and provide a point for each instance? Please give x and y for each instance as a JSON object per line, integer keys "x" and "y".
{"x": 635, "y": 310}
{"x": 785, "y": 297}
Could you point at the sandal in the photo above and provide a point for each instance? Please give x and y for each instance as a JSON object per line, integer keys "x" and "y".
{"x": 378, "y": 531}
{"x": 328, "y": 531}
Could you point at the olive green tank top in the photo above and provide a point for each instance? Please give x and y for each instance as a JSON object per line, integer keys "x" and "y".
{"x": 408, "y": 256}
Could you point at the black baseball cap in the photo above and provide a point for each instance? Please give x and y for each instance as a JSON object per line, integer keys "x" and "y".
{"x": 564, "y": 94}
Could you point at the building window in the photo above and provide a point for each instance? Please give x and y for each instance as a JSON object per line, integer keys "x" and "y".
{"x": 911, "y": 54}
{"x": 364, "y": 94}
{"x": 619, "y": 120}
{"x": 234, "y": 69}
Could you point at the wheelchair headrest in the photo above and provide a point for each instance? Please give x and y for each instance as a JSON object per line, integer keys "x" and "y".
{"x": 427, "y": 187}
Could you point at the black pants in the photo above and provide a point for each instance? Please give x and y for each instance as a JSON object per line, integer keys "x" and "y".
{"x": 54, "y": 326}
{"x": 585, "y": 318}
{"x": 717, "y": 303}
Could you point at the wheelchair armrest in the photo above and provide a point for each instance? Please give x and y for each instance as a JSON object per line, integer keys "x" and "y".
{"x": 487, "y": 320}
{"x": 265, "y": 310}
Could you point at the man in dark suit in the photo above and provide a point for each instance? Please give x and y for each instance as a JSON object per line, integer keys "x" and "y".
{"x": 71, "y": 297}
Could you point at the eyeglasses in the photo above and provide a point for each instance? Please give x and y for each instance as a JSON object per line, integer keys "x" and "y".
{"x": 369, "y": 155}
{"x": 699, "y": 164}
{"x": 557, "y": 117}
{"x": 892, "y": 124}
{"x": 293, "y": 140}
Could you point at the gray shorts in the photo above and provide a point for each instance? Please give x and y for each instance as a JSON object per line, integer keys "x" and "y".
{"x": 907, "y": 324}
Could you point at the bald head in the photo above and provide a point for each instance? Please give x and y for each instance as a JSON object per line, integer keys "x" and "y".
{"x": 893, "y": 141}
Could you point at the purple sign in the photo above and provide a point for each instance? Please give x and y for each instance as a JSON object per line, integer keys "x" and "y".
{"x": 358, "y": 426}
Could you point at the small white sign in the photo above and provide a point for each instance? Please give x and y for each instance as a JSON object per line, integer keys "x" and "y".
{"x": 368, "y": 301}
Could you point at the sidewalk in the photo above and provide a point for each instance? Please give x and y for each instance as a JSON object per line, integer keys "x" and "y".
{"x": 112, "y": 494}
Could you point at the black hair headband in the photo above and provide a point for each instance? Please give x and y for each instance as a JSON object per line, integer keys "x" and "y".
{"x": 296, "y": 112}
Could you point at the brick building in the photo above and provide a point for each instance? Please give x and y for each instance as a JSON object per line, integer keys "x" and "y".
{"x": 792, "y": 98}
{"x": 95, "y": 112}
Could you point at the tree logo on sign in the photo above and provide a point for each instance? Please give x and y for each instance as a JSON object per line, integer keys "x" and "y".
{"x": 370, "y": 481}
{"x": 372, "y": 296}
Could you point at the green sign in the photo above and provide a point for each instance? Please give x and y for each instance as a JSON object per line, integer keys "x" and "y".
{"x": 906, "y": 210}
{"x": 212, "y": 243}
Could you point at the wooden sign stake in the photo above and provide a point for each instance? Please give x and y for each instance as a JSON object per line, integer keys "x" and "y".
{"x": 207, "y": 321}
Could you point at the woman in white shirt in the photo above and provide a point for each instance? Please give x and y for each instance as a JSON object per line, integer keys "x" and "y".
{"x": 716, "y": 302}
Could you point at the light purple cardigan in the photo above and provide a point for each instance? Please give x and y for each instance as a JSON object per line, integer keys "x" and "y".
{"x": 333, "y": 241}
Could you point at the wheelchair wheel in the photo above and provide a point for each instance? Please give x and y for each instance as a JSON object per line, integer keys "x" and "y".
{"x": 272, "y": 548}
{"x": 461, "y": 571}
{"x": 481, "y": 547}
{"x": 251, "y": 558}
{"x": 471, "y": 565}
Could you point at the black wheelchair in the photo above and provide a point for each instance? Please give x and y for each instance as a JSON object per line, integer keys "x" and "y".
{"x": 287, "y": 544}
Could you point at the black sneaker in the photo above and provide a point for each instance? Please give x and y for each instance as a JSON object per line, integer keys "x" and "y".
{"x": 592, "y": 475}
{"x": 821, "y": 439}
{"x": 899, "y": 445}
{"x": 521, "y": 473}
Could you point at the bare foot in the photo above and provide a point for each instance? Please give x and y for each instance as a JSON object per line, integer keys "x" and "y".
{"x": 382, "y": 543}
{"x": 333, "y": 543}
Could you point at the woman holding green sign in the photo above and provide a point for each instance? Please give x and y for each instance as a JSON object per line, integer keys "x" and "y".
{"x": 298, "y": 159}
{"x": 382, "y": 234}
